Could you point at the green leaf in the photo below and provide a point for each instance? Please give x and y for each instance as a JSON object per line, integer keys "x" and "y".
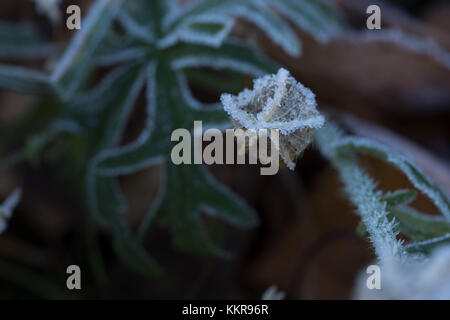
{"x": 363, "y": 193}
{"x": 427, "y": 246}
{"x": 143, "y": 19}
{"x": 24, "y": 80}
{"x": 115, "y": 49}
{"x": 169, "y": 108}
{"x": 414, "y": 174}
{"x": 187, "y": 188}
{"x": 209, "y": 30}
{"x": 232, "y": 55}
{"x": 432, "y": 225}
{"x": 22, "y": 42}
{"x": 76, "y": 61}
{"x": 381, "y": 215}
{"x": 414, "y": 224}
{"x": 400, "y": 197}
{"x": 317, "y": 17}
{"x": 105, "y": 199}
{"x": 255, "y": 11}
{"x": 124, "y": 87}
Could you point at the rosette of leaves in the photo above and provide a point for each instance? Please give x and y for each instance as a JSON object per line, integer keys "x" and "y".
{"x": 152, "y": 47}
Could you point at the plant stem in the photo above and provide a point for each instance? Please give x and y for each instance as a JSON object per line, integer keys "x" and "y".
{"x": 362, "y": 192}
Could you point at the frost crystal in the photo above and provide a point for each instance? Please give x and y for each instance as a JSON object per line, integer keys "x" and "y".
{"x": 49, "y": 8}
{"x": 428, "y": 280}
{"x": 279, "y": 102}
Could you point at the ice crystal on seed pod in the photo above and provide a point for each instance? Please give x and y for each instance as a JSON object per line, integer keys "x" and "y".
{"x": 49, "y": 8}
{"x": 279, "y": 102}
{"x": 429, "y": 280}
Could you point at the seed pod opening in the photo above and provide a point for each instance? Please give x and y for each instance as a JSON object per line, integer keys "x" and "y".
{"x": 279, "y": 102}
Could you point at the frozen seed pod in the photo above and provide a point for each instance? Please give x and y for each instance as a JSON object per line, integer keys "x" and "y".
{"x": 279, "y": 102}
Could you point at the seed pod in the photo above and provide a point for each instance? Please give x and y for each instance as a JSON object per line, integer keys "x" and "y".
{"x": 278, "y": 102}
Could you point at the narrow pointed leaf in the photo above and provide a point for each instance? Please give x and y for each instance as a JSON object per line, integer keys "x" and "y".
{"x": 24, "y": 80}
{"x": 74, "y": 65}
{"x": 400, "y": 197}
{"x": 188, "y": 189}
{"x": 22, "y": 42}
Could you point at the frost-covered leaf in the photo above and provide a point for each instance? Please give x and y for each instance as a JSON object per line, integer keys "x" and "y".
{"x": 120, "y": 90}
{"x": 414, "y": 174}
{"x": 187, "y": 188}
{"x": 428, "y": 245}
{"x": 73, "y": 66}
{"x": 123, "y": 89}
{"x": 22, "y": 41}
{"x": 317, "y": 17}
{"x": 400, "y": 197}
{"x": 232, "y": 55}
{"x": 24, "y": 80}
{"x": 115, "y": 49}
{"x": 275, "y": 27}
{"x": 414, "y": 224}
{"x": 363, "y": 193}
{"x": 209, "y": 30}
{"x": 49, "y": 8}
{"x": 410, "y": 42}
{"x": 428, "y": 225}
{"x": 384, "y": 216}
{"x": 143, "y": 18}
{"x": 253, "y": 10}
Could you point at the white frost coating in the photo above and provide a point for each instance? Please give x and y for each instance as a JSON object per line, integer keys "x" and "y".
{"x": 140, "y": 142}
{"x": 276, "y": 29}
{"x": 217, "y": 62}
{"x": 134, "y": 28}
{"x": 409, "y": 42}
{"x": 254, "y": 11}
{"x": 187, "y": 33}
{"x": 131, "y": 54}
{"x": 413, "y": 173}
{"x": 277, "y": 102}
{"x": 23, "y": 79}
{"x": 299, "y": 16}
{"x": 189, "y": 98}
{"x": 50, "y": 8}
{"x": 7, "y": 208}
{"x": 363, "y": 193}
{"x": 429, "y": 280}
{"x": 82, "y": 37}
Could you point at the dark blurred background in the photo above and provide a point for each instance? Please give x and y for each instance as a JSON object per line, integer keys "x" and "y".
{"x": 306, "y": 244}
